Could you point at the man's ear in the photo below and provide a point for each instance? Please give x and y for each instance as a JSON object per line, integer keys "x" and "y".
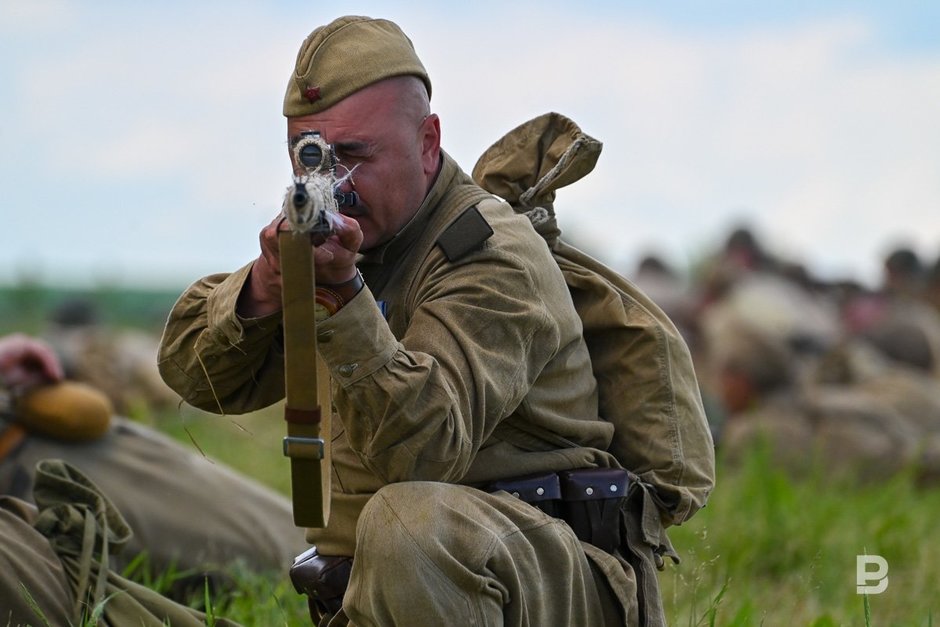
{"x": 430, "y": 138}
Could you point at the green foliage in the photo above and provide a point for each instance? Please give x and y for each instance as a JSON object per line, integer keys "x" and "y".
{"x": 238, "y": 593}
{"x": 140, "y": 570}
{"x": 28, "y": 306}
{"x": 250, "y": 442}
{"x": 97, "y": 612}
{"x": 769, "y": 549}
{"x": 260, "y": 599}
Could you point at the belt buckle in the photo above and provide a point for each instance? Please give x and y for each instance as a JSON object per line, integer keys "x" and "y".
{"x": 298, "y": 447}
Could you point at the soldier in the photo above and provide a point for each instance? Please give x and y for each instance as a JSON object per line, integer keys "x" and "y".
{"x": 910, "y": 393}
{"x": 662, "y": 283}
{"x": 186, "y": 512}
{"x": 449, "y": 329}
{"x": 811, "y": 415}
{"x": 122, "y": 363}
{"x": 898, "y": 319}
{"x": 932, "y": 290}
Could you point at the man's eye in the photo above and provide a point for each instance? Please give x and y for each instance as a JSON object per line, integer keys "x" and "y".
{"x": 353, "y": 155}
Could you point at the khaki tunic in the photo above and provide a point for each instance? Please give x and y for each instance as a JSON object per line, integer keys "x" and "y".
{"x": 421, "y": 393}
{"x": 55, "y": 566}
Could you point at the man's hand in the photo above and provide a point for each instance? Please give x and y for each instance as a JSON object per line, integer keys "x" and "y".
{"x": 334, "y": 260}
{"x": 26, "y": 362}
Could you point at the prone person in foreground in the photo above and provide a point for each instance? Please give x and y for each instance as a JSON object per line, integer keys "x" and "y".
{"x": 187, "y": 512}
{"x": 461, "y": 378}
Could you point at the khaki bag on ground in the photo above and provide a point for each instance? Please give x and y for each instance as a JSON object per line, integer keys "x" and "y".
{"x": 84, "y": 529}
{"x": 646, "y": 381}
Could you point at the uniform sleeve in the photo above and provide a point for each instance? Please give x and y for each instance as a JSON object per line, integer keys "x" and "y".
{"x": 418, "y": 408}
{"x": 216, "y": 360}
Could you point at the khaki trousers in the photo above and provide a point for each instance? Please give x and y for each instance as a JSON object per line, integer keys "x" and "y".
{"x": 441, "y": 554}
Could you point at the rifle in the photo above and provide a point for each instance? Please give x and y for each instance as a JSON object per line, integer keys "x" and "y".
{"x": 308, "y": 205}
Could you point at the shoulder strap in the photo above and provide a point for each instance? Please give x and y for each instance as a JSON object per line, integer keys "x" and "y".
{"x": 465, "y": 234}
{"x": 306, "y": 386}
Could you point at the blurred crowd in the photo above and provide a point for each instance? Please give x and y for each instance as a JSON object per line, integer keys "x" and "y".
{"x": 830, "y": 377}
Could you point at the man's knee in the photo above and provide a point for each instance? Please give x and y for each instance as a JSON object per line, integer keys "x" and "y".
{"x": 401, "y": 514}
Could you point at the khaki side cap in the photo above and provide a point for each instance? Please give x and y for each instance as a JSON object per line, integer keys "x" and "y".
{"x": 345, "y": 56}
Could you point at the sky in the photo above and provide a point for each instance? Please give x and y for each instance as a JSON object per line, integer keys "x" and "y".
{"x": 143, "y": 143}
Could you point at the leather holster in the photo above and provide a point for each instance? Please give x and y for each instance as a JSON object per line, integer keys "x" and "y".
{"x": 323, "y": 578}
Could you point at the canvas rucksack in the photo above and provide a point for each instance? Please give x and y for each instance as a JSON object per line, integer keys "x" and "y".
{"x": 646, "y": 382}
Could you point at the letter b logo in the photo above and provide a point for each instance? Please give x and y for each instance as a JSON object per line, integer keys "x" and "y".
{"x": 865, "y": 576}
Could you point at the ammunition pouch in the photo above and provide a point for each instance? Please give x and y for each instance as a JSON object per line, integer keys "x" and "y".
{"x": 323, "y": 578}
{"x": 589, "y": 500}
{"x": 542, "y": 491}
{"x": 591, "y": 503}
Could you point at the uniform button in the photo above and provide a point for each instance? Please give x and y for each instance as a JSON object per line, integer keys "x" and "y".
{"x": 347, "y": 369}
{"x": 540, "y": 491}
{"x": 589, "y": 491}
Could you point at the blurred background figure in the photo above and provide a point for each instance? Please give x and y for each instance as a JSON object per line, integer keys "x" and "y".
{"x": 122, "y": 363}
{"x": 933, "y": 285}
{"x": 898, "y": 319}
{"x": 667, "y": 288}
{"x": 744, "y": 283}
{"x": 749, "y": 296}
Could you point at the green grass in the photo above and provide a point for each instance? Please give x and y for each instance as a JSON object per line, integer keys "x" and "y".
{"x": 768, "y": 551}
{"x": 252, "y": 444}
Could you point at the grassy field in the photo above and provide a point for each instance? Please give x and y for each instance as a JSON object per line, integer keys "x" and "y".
{"x": 771, "y": 551}
{"x": 252, "y": 444}
{"x": 766, "y": 550}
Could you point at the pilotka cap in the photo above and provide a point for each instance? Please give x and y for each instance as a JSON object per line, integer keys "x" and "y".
{"x": 344, "y": 56}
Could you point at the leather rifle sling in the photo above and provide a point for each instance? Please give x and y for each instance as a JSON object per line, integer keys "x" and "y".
{"x": 307, "y": 385}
